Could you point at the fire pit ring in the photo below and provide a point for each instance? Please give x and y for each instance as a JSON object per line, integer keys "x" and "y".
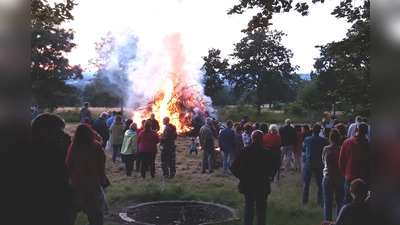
{"x": 178, "y": 212}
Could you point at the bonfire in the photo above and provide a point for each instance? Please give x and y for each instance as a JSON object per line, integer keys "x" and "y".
{"x": 184, "y": 105}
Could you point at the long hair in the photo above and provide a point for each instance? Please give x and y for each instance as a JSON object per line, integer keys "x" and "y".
{"x": 84, "y": 136}
{"x": 147, "y": 126}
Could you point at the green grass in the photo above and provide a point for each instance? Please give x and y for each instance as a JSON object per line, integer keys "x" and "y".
{"x": 70, "y": 116}
{"x": 284, "y": 202}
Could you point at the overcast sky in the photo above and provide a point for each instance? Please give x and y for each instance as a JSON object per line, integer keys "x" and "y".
{"x": 202, "y": 23}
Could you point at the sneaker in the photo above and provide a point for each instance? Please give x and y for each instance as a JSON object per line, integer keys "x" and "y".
{"x": 203, "y": 171}
{"x": 171, "y": 176}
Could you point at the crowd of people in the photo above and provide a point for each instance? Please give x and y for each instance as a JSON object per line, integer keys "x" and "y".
{"x": 336, "y": 156}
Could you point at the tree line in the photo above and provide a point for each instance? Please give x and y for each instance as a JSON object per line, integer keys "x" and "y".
{"x": 261, "y": 72}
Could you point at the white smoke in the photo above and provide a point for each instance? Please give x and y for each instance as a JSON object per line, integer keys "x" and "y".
{"x": 164, "y": 47}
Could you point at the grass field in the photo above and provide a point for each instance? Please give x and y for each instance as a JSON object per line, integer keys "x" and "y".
{"x": 284, "y": 203}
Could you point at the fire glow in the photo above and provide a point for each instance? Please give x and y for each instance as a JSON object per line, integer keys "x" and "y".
{"x": 174, "y": 101}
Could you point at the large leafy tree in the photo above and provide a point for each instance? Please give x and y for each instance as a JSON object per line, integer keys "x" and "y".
{"x": 215, "y": 70}
{"x": 308, "y": 96}
{"x": 263, "y": 67}
{"x": 267, "y": 9}
{"x": 50, "y": 69}
{"x": 343, "y": 67}
{"x": 116, "y": 54}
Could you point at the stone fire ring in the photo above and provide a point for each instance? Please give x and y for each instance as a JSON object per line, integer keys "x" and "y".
{"x": 178, "y": 212}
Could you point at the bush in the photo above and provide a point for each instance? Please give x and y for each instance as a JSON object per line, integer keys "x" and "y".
{"x": 294, "y": 108}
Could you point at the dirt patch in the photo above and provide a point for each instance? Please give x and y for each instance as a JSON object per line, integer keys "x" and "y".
{"x": 180, "y": 212}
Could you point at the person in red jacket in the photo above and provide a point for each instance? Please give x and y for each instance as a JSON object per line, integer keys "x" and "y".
{"x": 148, "y": 140}
{"x": 86, "y": 165}
{"x": 354, "y": 159}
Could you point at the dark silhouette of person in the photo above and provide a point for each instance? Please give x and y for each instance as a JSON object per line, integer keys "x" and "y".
{"x": 254, "y": 165}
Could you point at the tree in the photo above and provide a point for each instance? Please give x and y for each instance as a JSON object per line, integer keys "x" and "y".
{"x": 268, "y": 8}
{"x": 308, "y": 96}
{"x": 116, "y": 52}
{"x": 49, "y": 68}
{"x": 215, "y": 72}
{"x": 263, "y": 67}
{"x": 344, "y": 67}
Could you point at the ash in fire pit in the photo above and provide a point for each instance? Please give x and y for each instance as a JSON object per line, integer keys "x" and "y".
{"x": 178, "y": 212}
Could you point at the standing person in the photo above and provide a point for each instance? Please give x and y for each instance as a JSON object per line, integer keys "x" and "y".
{"x": 354, "y": 161}
{"x": 168, "y": 151}
{"x": 333, "y": 180}
{"x": 100, "y": 126}
{"x": 244, "y": 120}
{"x": 148, "y": 140}
{"x": 207, "y": 145}
{"x": 138, "y": 156}
{"x": 305, "y": 132}
{"x": 264, "y": 128}
{"x": 117, "y": 138}
{"x": 314, "y": 146}
{"x": 110, "y": 120}
{"x": 129, "y": 148}
{"x": 66, "y": 141}
{"x": 239, "y": 139}
{"x": 358, "y": 212}
{"x": 85, "y": 112}
{"x": 342, "y": 131}
{"x": 248, "y": 129}
{"x": 288, "y": 136}
{"x": 365, "y": 120}
{"x": 254, "y": 165}
{"x": 227, "y": 144}
{"x": 86, "y": 166}
{"x": 352, "y": 128}
{"x": 154, "y": 123}
{"x": 35, "y": 112}
{"x": 272, "y": 140}
{"x": 298, "y": 149}
{"x": 332, "y": 122}
{"x": 52, "y": 193}
{"x": 128, "y": 123}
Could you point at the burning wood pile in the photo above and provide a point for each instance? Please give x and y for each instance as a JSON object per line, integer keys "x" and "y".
{"x": 186, "y": 107}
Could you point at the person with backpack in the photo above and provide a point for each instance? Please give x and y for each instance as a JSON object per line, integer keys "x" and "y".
{"x": 169, "y": 148}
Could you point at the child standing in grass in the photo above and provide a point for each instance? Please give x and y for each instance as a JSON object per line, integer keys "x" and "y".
{"x": 193, "y": 146}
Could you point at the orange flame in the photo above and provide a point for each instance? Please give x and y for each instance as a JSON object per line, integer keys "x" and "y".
{"x": 169, "y": 106}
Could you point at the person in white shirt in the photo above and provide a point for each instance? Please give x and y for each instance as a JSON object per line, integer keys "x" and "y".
{"x": 351, "y": 132}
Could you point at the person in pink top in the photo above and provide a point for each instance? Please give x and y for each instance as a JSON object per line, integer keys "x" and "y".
{"x": 148, "y": 140}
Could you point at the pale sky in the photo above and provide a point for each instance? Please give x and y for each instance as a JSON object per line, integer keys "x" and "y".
{"x": 203, "y": 24}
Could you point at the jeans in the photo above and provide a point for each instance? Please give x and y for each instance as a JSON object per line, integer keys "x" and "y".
{"x": 208, "y": 161}
{"x": 297, "y": 159}
{"x": 128, "y": 164}
{"x": 287, "y": 150}
{"x": 225, "y": 165}
{"x": 330, "y": 186}
{"x": 260, "y": 201}
{"x": 347, "y": 196}
{"x": 168, "y": 160}
{"x": 95, "y": 218}
{"x": 309, "y": 169}
{"x": 117, "y": 152}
